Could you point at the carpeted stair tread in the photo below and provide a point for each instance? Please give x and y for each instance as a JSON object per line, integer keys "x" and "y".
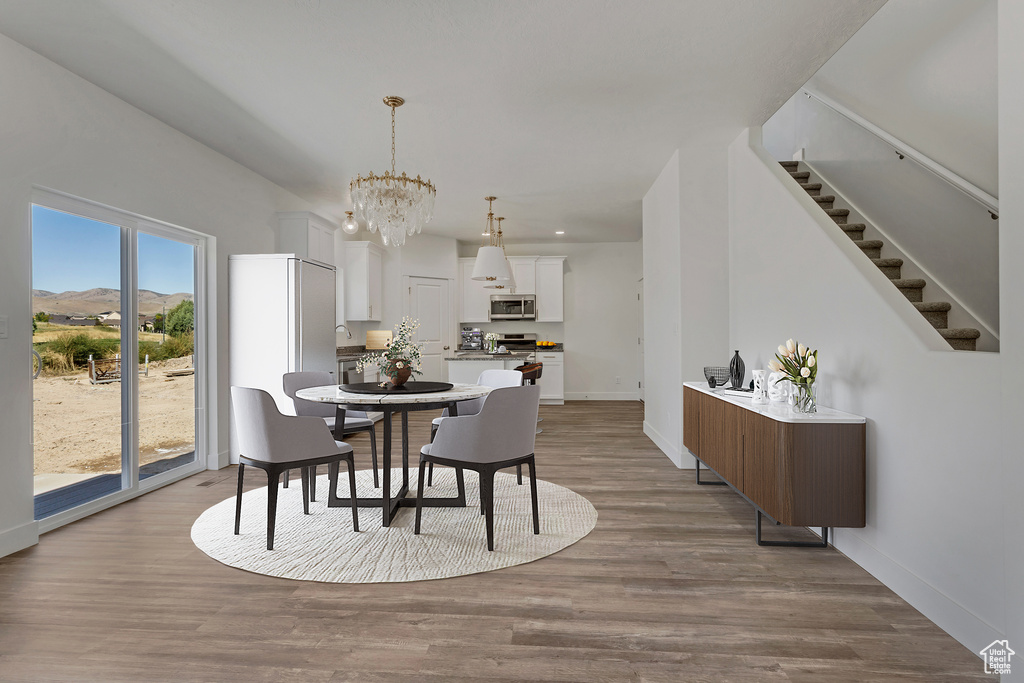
{"x": 910, "y": 283}
{"x": 837, "y": 212}
{"x": 960, "y": 333}
{"x": 800, "y": 175}
{"x": 868, "y": 244}
{"x": 789, "y": 164}
{"x": 811, "y": 187}
{"x": 853, "y": 227}
{"x": 824, "y": 198}
{"x": 887, "y": 262}
{"x": 933, "y": 306}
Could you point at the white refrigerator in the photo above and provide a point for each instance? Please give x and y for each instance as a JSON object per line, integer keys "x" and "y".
{"x": 281, "y": 318}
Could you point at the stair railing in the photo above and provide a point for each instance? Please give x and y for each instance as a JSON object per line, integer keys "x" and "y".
{"x": 904, "y": 150}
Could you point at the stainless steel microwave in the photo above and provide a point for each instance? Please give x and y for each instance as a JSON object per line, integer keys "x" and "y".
{"x": 513, "y": 307}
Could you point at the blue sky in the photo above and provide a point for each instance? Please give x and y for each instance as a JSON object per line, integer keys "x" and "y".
{"x": 74, "y": 253}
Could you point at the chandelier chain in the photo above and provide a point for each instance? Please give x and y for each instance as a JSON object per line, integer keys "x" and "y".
{"x": 392, "y": 140}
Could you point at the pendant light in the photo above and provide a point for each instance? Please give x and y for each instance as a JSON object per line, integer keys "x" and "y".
{"x": 501, "y": 284}
{"x": 491, "y": 265}
{"x": 350, "y": 225}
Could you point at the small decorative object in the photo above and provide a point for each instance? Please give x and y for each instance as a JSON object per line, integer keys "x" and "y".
{"x": 777, "y": 390}
{"x": 760, "y": 395}
{"x": 799, "y": 365}
{"x": 715, "y": 375}
{"x": 400, "y": 359}
{"x": 737, "y": 370}
{"x": 492, "y": 342}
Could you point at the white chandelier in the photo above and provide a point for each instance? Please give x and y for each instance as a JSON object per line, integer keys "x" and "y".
{"x": 395, "y": 205}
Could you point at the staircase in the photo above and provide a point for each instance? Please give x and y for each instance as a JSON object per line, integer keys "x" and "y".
{"x": 935, "y": 312}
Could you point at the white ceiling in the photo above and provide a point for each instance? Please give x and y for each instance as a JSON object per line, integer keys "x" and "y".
{"x": 566, "y": 110}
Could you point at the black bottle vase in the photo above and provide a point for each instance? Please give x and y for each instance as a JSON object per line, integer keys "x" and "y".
{"x": 737, "y": 370}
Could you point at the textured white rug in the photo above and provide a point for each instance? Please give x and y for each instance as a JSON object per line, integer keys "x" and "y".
{"x": 321, "y": 546}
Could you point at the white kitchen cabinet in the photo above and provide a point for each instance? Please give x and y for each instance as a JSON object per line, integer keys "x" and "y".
{"x": 549, "y": 289}
{"x": 474, "y": 300}
{"x": 306, "y": 235}
{"x": 524, "y": 272}
{"x": 552, "y": 378}
{"x": 363, "y": 281}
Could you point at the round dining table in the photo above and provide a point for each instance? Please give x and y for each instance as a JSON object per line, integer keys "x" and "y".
{"x": 402, "y": 401}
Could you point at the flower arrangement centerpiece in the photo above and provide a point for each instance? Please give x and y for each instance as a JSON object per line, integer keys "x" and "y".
{"x": 400, "y": 359}
{"x": 492, "y": 341}
{"x": 800, "y": 366}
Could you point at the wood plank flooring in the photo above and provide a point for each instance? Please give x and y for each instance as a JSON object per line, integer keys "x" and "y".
{"x": 669, "y": 587}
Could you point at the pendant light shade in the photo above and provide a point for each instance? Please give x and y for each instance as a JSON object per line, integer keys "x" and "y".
{"x": 501, "y": 283}
{"x": 491, "y": 265}
{"x": 349, "y": 225}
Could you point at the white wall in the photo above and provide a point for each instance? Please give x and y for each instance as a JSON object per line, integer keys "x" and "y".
{"x": 63, "y": 133}
{"x": 934, "y": 430}
{"x": 925, "y": 71}
{"x": 1011, "y": 241}
{"x": 601, "y": 316}
{"x": 663, "y": 376}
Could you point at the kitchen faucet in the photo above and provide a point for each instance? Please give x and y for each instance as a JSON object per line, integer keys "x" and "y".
{"x": 348, "y": 335}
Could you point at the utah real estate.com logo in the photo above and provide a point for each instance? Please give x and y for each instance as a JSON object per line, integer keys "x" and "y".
{"x": 997, "y": 657}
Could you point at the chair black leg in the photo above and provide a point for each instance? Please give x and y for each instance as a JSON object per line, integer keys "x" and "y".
{"x": 312, "y": 483}
{"x": 373, "y": 455}
{"x": 419, "y": 497}
{"x": 286, "y": 473}
{"x": 272, "y": 478}
{"x": 487, "y": 491}
{"x": 430, "y": 478}
{"x": 533, "y": 494}
{"x": 352, "y": 491}
{"x": 483, "y": 497}
{"x": 238, "y": 498}
{"x": 460, "y": 482}
{"x": 519, "y": 474}
{"x": 304, "y": 475}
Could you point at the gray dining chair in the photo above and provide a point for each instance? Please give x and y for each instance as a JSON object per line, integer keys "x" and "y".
{"x": 274, "y": 443}
{"x": 355, "y": 420}
{"x": 501, "y": 435}
{"x": 495, "y": 379}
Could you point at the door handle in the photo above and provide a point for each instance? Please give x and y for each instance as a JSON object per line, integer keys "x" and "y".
{"x": 446, "y": 348}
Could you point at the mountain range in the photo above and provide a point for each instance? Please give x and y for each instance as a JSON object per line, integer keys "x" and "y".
{"x": 101, "y": 299}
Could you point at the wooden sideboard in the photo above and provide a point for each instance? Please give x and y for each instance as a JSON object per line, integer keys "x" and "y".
{"x": 797, "y": 470}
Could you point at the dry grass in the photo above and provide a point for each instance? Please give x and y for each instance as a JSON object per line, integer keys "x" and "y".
{"x": 46, "y": 332}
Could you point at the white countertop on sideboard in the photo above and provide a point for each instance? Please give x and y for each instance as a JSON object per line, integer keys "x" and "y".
{"x": 780, "y": 412}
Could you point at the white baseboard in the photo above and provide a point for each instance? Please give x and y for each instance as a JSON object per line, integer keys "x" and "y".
{"x": 668, "y": 449}
{"x": 969, "y": 629}
{"x": 19, "y": 538}
{"x": 602, "y": 396}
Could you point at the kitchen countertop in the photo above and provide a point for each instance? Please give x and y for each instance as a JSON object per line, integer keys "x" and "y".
{"x": 349, "y": 353}
{"x": 480, "y": 355}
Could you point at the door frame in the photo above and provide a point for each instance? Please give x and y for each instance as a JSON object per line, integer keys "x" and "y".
{"x": 204, "y": 356}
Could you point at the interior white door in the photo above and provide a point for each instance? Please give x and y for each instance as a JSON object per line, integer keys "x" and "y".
{"x": 429, "y": 303}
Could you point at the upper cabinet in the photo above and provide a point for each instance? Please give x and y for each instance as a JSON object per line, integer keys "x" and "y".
{"x": 363, "y": 262}
{"x": 538, "y": 275}
{"x": 524, "y": 272}
{"x": 550, "y": 284}
{"x": 474, "y": 300}
{"x": 306, "y": 235}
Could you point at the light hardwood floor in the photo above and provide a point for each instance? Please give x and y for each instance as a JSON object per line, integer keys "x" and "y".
{"x": 669, "y": 587}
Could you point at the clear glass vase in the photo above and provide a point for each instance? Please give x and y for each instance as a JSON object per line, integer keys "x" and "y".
{"x": 804, "y": 400}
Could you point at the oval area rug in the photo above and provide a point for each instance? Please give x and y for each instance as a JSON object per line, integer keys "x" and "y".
{"x": 322, "y": 547}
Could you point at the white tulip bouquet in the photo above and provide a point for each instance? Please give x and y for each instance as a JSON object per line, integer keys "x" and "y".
{"x": 799, "y": 365}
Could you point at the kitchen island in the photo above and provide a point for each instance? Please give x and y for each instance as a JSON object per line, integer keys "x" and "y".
{"x": 465, "y": 366}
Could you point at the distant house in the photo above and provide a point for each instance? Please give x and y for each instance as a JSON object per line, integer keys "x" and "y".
{"x": 74, "y": 320}
{"x": 147, "y": 323}
{"x": 112, "y": 318}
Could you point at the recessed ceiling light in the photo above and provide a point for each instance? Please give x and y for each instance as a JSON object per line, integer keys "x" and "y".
{"x": 559, "y": 232}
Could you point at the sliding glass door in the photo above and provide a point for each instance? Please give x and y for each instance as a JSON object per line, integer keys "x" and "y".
{"x": 117, "y": 320}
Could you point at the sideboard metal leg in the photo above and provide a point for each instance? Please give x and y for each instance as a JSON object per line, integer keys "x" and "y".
{"x": 789, "y": 544}
{"x": 706, "y": 483}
